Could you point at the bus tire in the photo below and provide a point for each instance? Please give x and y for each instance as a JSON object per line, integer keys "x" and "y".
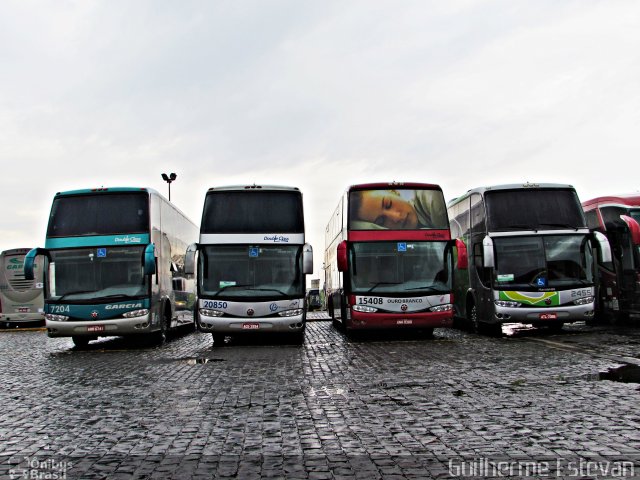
{"x": 297, "y": 338}
{"x": 80, "y": 342}
{"x": 160, "y": 336}
{"x": 218, "y": 339}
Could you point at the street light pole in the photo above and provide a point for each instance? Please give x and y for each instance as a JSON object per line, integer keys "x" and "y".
{"x": 169, "y": 178}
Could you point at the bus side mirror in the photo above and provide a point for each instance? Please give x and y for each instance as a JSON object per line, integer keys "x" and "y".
{"x": 307, "y": 259}
{"x": 634, "y": 228}
{"x": 30, "y": 260}
{"x": 342, "y": 257}
{"x": 487, "y": 252}
{"x": 603, "y": 247}
{"x": 150, "y": 259}
{"x": 463, "y": 256}
{"x": 190, "y": 259}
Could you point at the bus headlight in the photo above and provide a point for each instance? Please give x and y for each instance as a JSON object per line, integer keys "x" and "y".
{"x": 206, "y": 312}
{"x": 442, "y": 308}
{"x": 364, "y": 309}
{"x": 291, "y": 313}
{"x": 136, "y": 313}
{"x": 507, "y": 304}
{"x": 583, "y": 301}
{"x": 56, "y": 318}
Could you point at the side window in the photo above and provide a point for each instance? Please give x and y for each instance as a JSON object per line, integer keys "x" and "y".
{"x": 477, "y": 214}
{"x": 612, "y": 214}
{"x": 592, "y": 219}
{"x": 484, "y": 274}
{"x": 455, "y": 228}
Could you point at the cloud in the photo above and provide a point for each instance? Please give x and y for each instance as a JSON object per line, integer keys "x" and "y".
{"x": 314, "y": 94}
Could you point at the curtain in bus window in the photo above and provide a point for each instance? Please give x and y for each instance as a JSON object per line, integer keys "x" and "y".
{"x": 535, "y": 209}
{"x": 100, "y": 214}
{"x": 253, "y": 212}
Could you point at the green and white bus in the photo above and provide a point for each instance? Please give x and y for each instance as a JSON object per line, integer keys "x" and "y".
{"x": 114, "y": 265}
{"x": 21, "y": 300}
{"x": 529, "y": 256}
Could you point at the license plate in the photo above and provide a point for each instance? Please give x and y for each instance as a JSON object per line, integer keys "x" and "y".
{"x": 24, "y": 310}
{"x": 548, "y": 316}
{"x": 95, "y": 328}
{"x": 250, "y": 326}
{"x": 404, "y": 322}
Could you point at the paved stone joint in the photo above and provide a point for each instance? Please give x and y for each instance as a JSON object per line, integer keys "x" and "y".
{"x": 386, "y": 406}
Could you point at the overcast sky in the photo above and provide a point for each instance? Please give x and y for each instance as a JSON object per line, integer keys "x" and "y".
{"x": 316, "y": 94}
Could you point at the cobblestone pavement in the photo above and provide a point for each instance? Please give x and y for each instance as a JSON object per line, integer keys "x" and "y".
{"x": 382, "y": 406}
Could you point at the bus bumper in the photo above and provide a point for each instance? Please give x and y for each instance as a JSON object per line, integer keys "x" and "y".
{"x": 12, "y": 320}
{"x": 361, "y": 320}
{"x": 101, "y": 328}
{"x": 565, "y": 313}
{"x": 246, "y": 325}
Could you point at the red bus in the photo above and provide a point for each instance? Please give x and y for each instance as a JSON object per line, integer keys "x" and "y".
{"x": 389, "y": 258}
{"x": 618, "y": 217}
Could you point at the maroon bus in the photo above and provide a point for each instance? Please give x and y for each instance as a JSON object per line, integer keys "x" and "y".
{"x": 389, "y": 258}
{"x": 618, "y": 217}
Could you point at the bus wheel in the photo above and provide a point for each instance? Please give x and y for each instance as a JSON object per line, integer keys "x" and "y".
{"x": 474, "y": 324}
{"x": 80, "y": 342}
{"x": 555, "y": 326}
{"x": 160, "y": 337}
{"x": 297, "y": 338}
{"x": 218, "y": 339}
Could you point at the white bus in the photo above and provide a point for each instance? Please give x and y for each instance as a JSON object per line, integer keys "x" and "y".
{"x": 114, "y": 265}
{"x": 21, "y": 300}
{"x": 252, "y": 262}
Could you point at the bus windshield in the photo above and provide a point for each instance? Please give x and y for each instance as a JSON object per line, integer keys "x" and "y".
{"x": 400, "y": 267}
{"x": 635, "y": 214}
{"x": 99, "y": 214}
{"x": 397, "y": 209}
{"x": 245, "y": 271}
{"x": 535, "y": 209}
{"x": 252, "y": 212}
{"x": 93, "y": 273}
{"x": 543, "y": 262}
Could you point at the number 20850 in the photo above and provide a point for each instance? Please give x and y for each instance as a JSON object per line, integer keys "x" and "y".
{"x": 213, "y": 304}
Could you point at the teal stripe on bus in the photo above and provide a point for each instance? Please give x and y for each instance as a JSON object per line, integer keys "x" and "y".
{"x": 98, "y": 241}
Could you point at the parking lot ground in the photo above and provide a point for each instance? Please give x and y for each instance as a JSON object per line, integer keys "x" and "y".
{"x": 532, "y": 404}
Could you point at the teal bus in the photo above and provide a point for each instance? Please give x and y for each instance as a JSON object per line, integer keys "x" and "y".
{"x": 114, "y": 265}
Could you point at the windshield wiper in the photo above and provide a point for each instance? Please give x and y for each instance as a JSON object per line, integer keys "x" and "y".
{"x": 119, "y": 295}
{"x": 517, "y": 226}
{"x": 79, "y": 292}
{"x": 563, "y": 225}
{"x": 267, "y": 290}
{"x": 230, "y": 286}
{"x": 382, "y": 283}
{"x": 425, "y": 287}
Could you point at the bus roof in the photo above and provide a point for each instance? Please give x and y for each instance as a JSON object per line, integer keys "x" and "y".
{"x": 85, "y": 191}
{"x": 254, "y": 187}
{"x": 626, "y": 199}
{"x": 387, "y": 185}
{"x": 15, "y": 251}
{"x": 510, "y": 186}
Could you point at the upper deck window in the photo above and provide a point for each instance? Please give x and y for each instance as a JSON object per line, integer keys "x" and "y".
{"x": 397, "y": 209}
{"x": 253, "y": 211}
{"x": 534, "y": 209}
{"x": 99, "y": 214}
